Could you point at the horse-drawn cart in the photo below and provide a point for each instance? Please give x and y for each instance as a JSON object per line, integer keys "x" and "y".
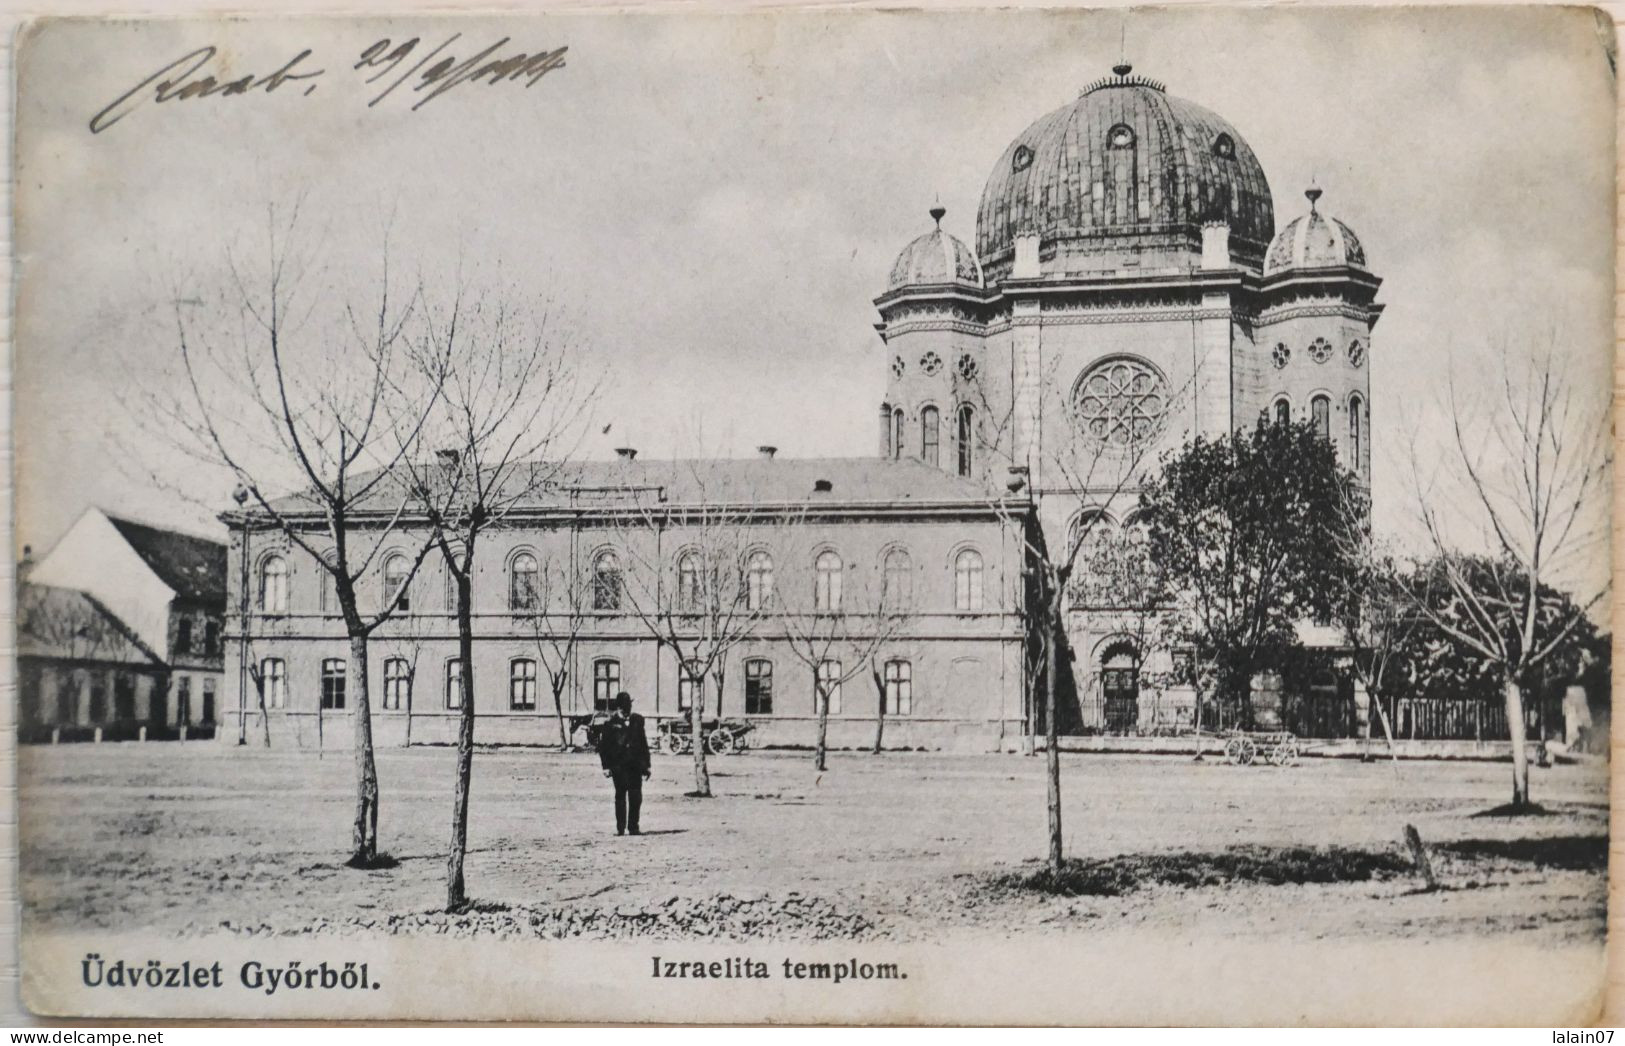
{"x": 1245, "y": 747}
{"x": 719, "y": 735}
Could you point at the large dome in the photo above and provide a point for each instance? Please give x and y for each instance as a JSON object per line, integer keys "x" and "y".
{"x": 1124, "y": 162}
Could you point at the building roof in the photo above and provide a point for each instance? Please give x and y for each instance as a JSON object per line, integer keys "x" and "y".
{"x": 934, "y": 259}
{"x": 1125, "y": 158}
{"x": 67, "y": 624}
{"x": 851, "y": 482}
{"x": 194, "y": 567}
{"x": 1314, "y": 241}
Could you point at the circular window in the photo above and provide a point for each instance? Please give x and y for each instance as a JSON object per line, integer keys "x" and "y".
{"x": 1320, "y": 350}
{"x": 1224, "y": 148}
{"x": 1281, "y": 355}
{"x": 1120, "y": 137}
{"x": 1356, "y": 353}
{"x": 931, "y": 363}
{"x": 1022, "y": 160}
{"x": 1120, "y": 401}
{"x": 967, "y": 367}
{"x": 897, "y": 366}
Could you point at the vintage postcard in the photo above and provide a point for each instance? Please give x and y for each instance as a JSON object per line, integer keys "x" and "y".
{"x": 859, "y": 517}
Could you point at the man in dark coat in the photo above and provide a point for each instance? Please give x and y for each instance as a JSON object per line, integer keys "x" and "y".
{"x": 624, "y": 752}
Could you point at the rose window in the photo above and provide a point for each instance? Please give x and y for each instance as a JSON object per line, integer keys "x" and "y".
{"x": 897, "y": 366}
{"x": 1356, "y": 353}
{"x": 930, "y": 363}
{"x": 1281, "y": 355}
{"x": 967, "y": 367}
{"x": 1320, "y": 350}
{"x": 1120, "y": 401}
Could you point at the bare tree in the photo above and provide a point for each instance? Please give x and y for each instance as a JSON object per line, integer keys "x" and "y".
{"x": 1373, "y": 610}
{"x": 508, "y": 418}
{"x": 1087, "y": 474}
{"x": 556, "y": 626}
{"x": 1528, "y": 476}
{"x": 293, "y": 386}
{"x": 717, "y": 587}
{"x": 836, "y": 622}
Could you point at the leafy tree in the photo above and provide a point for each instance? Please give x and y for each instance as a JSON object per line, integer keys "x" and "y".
{"x": 1244, "y": 530}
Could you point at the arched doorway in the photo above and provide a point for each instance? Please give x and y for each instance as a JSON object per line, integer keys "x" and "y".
{"x": 1120, "y": 687}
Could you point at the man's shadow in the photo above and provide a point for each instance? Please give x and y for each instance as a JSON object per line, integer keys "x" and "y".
{"x": 663, "y": 831}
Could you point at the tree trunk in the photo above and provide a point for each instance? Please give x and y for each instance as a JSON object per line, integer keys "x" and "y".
{"x": 696, "y": 725}
{"x": 456, "y": 894}
{"x": 880, "y": 713}
{"x": 558, "y": 710}
{"x": 365, "y": 835}
{"x": 1513, "y": 694}
{"x": 823, "y": 722}
{"x": 265, "y": 717}
{"x": 1052, "y": 753}
{"x": 411, "y": 695}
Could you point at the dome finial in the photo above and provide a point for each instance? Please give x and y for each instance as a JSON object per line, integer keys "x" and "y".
{"x": 937, "y": 211}
{"x": 1313, "y": 193}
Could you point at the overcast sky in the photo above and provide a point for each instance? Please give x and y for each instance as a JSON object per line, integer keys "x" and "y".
{"x": 718, "y": 199}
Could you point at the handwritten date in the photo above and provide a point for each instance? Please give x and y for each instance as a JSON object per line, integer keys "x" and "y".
{"x": 408, "y": 65}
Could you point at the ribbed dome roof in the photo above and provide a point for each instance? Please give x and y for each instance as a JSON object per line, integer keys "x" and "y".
{"x": 935, "y": 258}
{"x": 1313, "y": 241}
{"x": 1125, "y": 158}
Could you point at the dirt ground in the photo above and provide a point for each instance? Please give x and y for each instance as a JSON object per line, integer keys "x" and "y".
{"x": 188, "y": 838}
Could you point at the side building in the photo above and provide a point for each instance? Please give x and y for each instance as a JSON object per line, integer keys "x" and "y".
{"x": 565, "y": 590}
{"x": 150, "y": 603}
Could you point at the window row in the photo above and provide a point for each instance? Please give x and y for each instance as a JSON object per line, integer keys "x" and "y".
{"x": 400, "y": 676}
{"x": 1320, "y": 413}
{"x": 701, "y": 585}
{"x": 894, "y": 437}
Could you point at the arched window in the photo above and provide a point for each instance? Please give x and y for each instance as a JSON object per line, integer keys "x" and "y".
{"x": 274, "y": 585}
{"x": 1320, "y": 410}
{"x": 454, "y": 682}
{"x": 964, "y": 432}
{"x": 327, "y": 600}
{"x": 397, "y": 684}
{"x": 827, "y": 582}
{"x": 758, "y": 580}
{"x": 1356, "y": 431}
{"x": 885, "y": 430}
{"x": 395, "y": 586}
{"x": 928, "y": 435}
{"x": 524, "y": 583}
{"x": 897, "y": 581}
{"x": 522, "y": 685}
{"x": 897, "y": 433}
{"x": 606, "y": 581}
{"x": 690, "y": 685}
{"x": 968, "y": 580}
{"x": 606, "y": 683}
{"x": 688, "y": 583}
{"x": 758, "y": 686}
{"x": 274, "y": 682}
{"x": 1283, "y": 411}
{"x": 899, "y": 679}
{"x": 827, "y": 681}
{"x": 333, "y": 673}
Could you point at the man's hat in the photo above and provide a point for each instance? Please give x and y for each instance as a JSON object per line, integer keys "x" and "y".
{"x": 623, "y": 701}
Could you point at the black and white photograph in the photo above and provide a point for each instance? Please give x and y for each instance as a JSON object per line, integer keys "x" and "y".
{"x": 1006, "y": 516}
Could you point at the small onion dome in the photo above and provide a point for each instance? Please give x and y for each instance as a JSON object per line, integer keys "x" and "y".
{"x": 935, "y": 258}
{"x": 1313, "y": 241}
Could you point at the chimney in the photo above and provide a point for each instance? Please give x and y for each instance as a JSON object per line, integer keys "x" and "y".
{"x": 767, "y": 451}
{"x": 626, "y": 453}
{"x": 448, "y": 459}
{"x": 1215, "y": 245}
